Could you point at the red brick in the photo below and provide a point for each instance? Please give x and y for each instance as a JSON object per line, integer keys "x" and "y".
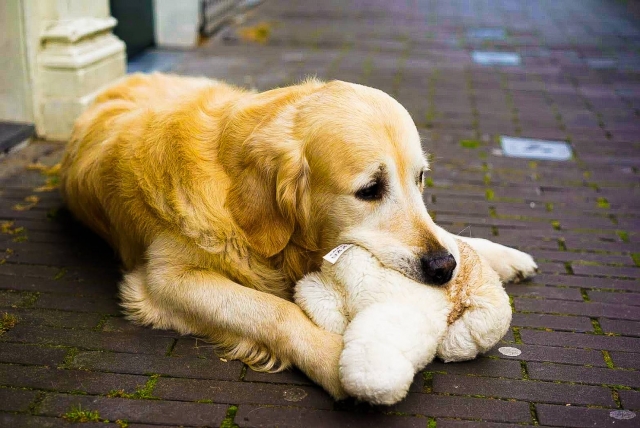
{"x": 627, "y": 328}
{"x": 589, "y": 375}
{"x": 615, "y": 271}
{"x": 527, "y": 290}
{"x": 27, "y": 283}
{"x": 591, "y": 309}
{"x": 573, "y": 256}
{"x": 626, "y": 360}
{"x": 479, "y": 367}
{"x": 464, "y": 407}
{"x": 587, "y": 282}
{"x": 456, "y": 423}
{"x": 118, "y": 324}
{"x": 184, "y": 367}
{"x": 68, "y": 380}
{"x": 556, "y": 322}
{"x": 549, "y": 414}
{"x": 249, "y": 416}
{"x": 100, "y": 304}
{"x": 11, "y": 299}
{"x": 84, "y": 339}
{"x": 291, "y": 376}
{"x": 18, "y": 353}
{"x": 242, "y": 393}
{"x": 578, "y": 340}
{"x": 142, "y": 411}
{"x": 539, "y": 392}
{"x": 609, "y": 297}
{"x": 16, "y": 400}
{"x": 55, "y": 318}
{"x": 630, "y": 399}
{"x": 554, "y": 355}
{"x": 29, "y": 421}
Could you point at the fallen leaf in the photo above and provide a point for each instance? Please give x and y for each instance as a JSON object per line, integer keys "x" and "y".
{"x": 52, "y": 183}
{"x": 46, "y": 170}
{"x": 258, "y": 33}
{"x": 6, "y": 227}
{"x": 32, "y": 201}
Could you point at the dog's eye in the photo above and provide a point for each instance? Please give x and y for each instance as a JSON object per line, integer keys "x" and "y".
{"x": 372, "y": 192}
{"x": 420, "y": 180}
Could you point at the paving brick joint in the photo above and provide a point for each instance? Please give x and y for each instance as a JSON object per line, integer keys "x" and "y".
{"x": 66, "y": 351}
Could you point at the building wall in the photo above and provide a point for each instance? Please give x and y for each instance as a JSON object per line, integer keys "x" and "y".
{"x": 15, "y": 83}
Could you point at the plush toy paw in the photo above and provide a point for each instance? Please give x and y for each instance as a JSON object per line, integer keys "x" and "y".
{"x": 381, "y": 353}
{"x": 318, "y": 296}
{"x": 375, "y": 372}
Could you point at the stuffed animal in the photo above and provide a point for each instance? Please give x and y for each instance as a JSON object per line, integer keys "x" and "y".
{"x": 393, "y": 326}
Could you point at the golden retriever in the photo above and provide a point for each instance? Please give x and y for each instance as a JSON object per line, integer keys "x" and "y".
{"x": 219, "y": 199}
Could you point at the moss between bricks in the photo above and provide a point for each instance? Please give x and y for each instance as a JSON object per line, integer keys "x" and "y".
{"x": 607, "y": 359}
{"x": 623, "y": 235}
{"x": 603, "y": 203}
{"x": 76, "y": 415}
{"x": 7, "y": 322}
{"x": 489, "y": 194}
{"x": 29, "y": 300}
{"x": 228, "y": 420}
{"x": 60, "y": 274}
{"x": 470, "y": 144}
{"x": 69, "y": 358}
{"x": 142, "y": 393}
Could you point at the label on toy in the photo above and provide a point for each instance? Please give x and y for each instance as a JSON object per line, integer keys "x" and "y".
{"x": 333, "y": 255}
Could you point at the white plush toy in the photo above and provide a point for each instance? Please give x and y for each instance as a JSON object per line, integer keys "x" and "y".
{"x": 394, "y": 326}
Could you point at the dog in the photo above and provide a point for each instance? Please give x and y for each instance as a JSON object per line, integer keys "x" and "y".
{"x": 218, "y": 199}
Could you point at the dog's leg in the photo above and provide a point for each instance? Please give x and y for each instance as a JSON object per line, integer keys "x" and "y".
{"x": 511, "y": 265}
{"x": 256, "y": 326}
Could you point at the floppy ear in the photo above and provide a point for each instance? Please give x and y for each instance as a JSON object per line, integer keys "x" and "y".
{"x": 265, "y": 198}
{"x": 268, "y": 197}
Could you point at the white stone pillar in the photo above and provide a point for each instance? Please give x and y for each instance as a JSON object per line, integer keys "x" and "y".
{"x": 70, "y": 55}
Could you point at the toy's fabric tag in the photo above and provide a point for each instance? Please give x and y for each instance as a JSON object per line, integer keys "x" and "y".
{"x": 333, "y": 255}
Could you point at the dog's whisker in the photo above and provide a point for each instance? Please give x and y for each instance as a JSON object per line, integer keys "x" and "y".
{"x": 468, "y": 227}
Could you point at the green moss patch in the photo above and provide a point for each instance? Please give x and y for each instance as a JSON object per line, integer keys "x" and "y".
{"x": 78, "y": 415}
{"x": 470, "y": 144}
{"x": 7, "y": 322}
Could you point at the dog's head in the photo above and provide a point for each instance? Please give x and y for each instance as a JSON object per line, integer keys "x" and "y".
{"x": 333, "y": 163}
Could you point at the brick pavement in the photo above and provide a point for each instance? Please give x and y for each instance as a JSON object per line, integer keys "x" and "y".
{"x": 577, "y": 324}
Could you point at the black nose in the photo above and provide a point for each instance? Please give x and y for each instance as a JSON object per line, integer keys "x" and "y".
{"x": 438, "y": 268}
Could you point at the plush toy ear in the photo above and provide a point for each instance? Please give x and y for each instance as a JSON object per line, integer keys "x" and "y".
{"x": 268, "y": 196}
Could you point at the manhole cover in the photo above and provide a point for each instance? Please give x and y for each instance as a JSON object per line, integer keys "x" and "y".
{"x": 487, "y": 34}
{"x": 622, "y": 414}
{"x": 509, "y": 351}
{"x": 495, "y": 58}
{"x": 294, "y": 394}
{"x": 601, "y": 63}
{"x": 535, "y": 149}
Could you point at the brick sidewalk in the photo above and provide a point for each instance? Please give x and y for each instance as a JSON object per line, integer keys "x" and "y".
{"x": 577, "y": 325}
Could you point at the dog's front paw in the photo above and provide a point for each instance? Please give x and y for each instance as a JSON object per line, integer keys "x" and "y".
{"x": 511, "y": 265}
{"x": 374, "y": 372}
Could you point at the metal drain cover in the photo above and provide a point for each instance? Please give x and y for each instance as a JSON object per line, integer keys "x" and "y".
{"x": 495, "y": 58}
{"x": 535, "y": 149}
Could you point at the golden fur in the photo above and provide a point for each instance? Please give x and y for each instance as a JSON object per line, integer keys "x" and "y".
{"x": 218, "y": 199}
